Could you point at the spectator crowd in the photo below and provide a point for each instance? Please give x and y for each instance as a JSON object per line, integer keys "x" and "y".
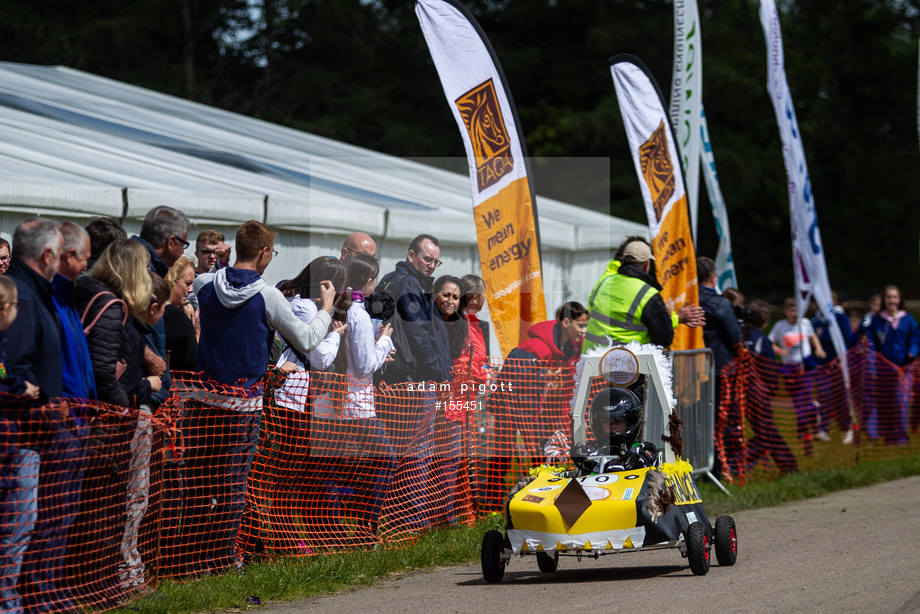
{"x": 100, "y": 333}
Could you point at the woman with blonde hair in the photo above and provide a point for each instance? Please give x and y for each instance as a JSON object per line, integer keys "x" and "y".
{"x": 181, "y": 317}
{"x": 117, "y": 287}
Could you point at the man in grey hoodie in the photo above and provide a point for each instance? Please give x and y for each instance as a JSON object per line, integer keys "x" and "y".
{"x": 239, "y": 314}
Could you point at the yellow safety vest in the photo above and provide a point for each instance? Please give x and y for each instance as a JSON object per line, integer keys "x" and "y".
{"x": 615, "y": 309}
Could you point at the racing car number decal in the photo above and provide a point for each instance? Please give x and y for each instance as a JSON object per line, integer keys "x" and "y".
{"x": 601, "y": 479}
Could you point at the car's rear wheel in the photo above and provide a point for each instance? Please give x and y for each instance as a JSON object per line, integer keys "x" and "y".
{"x": 493, "y": 564}
{"x": 547, "y": 562}
{"x": 698, "y": 548}
{"x": 726, "y": 539}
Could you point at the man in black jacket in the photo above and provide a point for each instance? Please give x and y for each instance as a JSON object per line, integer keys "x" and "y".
{"x": 422, "y": 359}
{"x": 420, "y": 337}
{"x": 721, "y": 333}
{"x": 34, "y": 342}
{"x": 34, "y": 346}
{"x": 165, "y": 235}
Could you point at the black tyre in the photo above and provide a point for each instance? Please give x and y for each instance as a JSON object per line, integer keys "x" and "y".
{"x": 493, "y": 565}
{"x": 698, "y": 548}
{"x": 726, "y": 539}
{"x": 547, "y": 562}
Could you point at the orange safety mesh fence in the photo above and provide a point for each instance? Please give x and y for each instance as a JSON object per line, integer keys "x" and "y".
{"x": 74, "y": 498}
{"x": 777, "y": 418}
{"x": 97, "y": 503}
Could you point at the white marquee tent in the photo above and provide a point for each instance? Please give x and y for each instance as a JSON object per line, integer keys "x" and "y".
{"x": 77, "y": 145}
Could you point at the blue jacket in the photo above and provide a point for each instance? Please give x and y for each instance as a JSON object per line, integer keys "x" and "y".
{"x": 721, "y": 333}
{"x": 79, "y": 381}
{"x": 156, "y": 263}
{"x": 239, "y": 314}
{"x": 760, "y": 344}
{"x": 9, "y": 417}
{"x": 824, "y": 334}
{"x": 898, "y": 345}
{"x": 159, "y": 267}
{"x": 34, "y": 339}
{"x": 9, "y": 383}
{"x": 156, "y": 342}
{"x": 422, "y": 346}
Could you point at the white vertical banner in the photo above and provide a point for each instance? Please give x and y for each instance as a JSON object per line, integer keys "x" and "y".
{"x": 725, "y": 263}
{"x": 504, "y": 206}
{"x": 811, "y": 279}
{"x": 654, "y": 153}
{"x": 687, "y": 97}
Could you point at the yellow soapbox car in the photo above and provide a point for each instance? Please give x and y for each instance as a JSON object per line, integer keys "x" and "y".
{"x": 569, "y": 511}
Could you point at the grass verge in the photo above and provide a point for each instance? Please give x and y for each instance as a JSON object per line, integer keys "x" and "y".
{"x": 796, "y": 486}
{"x": 290, "y": 579}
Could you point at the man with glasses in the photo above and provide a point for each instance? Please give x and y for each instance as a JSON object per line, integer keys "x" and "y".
{"x": 239, "y": 314}
{"x": 422, "y": 353}
{"x": 423, "y": 360}
{"x": 34, "y": 352}
{"x": 165, "y": 235}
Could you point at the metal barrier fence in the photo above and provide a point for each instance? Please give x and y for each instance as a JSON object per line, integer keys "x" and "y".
{"x": 695, "y": 391}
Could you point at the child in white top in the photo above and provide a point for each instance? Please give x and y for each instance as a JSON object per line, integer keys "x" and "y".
{"x": 303, "y": 292}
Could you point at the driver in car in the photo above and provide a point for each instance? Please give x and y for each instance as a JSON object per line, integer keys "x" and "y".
{"x": 615, "y": 418}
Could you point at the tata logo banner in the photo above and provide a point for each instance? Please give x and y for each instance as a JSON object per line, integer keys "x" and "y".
{"x": 657, "y": 169}
{"x": 486, "y": 127}
{"x": 654, "y": 153}
{"x": 503, "y": 204}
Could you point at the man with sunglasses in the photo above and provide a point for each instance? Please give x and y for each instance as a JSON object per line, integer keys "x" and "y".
{"x": 211, "y": 249}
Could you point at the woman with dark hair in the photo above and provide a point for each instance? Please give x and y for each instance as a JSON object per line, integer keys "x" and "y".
{"x": 450, "y": 301}
{"x": 446, "y": 293}
{"x": 303, "y": 292}
{"x": 347, "y": 432}
{"x": 287, "y": 425}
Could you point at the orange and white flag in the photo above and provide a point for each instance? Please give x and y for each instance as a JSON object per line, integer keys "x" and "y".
{"x": 503, "y": 202}
{"x": 654, "y": 153}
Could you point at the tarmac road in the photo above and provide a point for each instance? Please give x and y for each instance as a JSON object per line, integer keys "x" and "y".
{"x": 853, "y": 551}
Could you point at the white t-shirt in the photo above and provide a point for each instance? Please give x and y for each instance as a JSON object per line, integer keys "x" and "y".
{"x": 365, "y": 355}
{"x": 293, "y": 394}
{"x": 793, "y": 338}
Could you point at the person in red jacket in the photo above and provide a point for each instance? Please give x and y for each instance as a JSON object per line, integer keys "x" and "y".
{"x": 538, "y": 380}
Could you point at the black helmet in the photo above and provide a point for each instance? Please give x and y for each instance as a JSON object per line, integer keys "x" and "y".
{"x": 615, "y": 404}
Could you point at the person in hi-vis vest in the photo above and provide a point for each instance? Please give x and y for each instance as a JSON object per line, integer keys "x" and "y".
{"x": 626, "y": 305}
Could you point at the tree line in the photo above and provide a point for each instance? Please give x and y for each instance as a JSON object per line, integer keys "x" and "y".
{"x": 359, "y": 71}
